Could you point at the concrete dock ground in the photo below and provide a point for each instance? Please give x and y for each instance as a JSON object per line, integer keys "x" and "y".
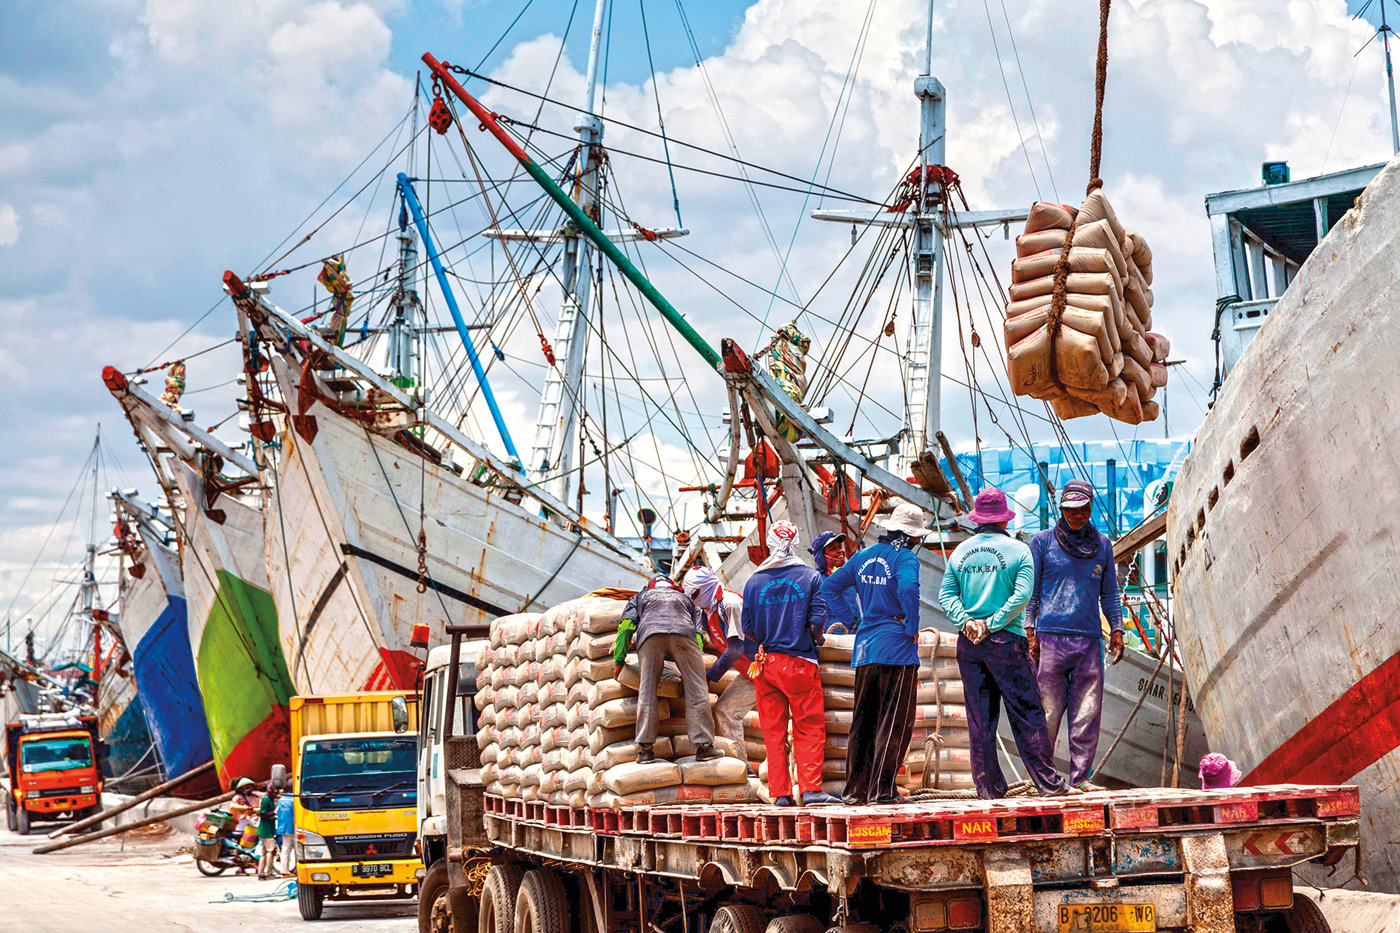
{"x": 147, "y": 884}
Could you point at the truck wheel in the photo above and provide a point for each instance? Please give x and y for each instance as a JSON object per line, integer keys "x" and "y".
{"x": 434, "y": 916}
{"x": 10, "y": 814}
{"x": 497, "y": 909}
{"x": 795, "y": 923}
{"x": 310, "y": 899}
{"x": 542, "y": 905}
{"x": 1305, "y": 917}
{"x": 22, "y": 821}
{"x": 737, "y": 918}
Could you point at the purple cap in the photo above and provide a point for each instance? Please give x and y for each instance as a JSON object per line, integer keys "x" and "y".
{"x": 1076, "y": 494}
{"x": 989, "y": 508}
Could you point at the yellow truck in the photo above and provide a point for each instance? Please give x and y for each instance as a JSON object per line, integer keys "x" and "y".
{"x": 354, "y": 776}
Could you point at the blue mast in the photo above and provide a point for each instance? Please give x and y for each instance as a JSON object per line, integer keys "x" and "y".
{"x": 411, "y": 199}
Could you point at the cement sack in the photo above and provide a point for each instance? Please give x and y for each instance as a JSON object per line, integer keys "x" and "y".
{"x": 529, "y": 792}
{"x": 949, "y": 759}
{"x": 606, "y": 691}
{"x": 834, "y": 697}
{"x": 1135, "y": 248}
{"x": 553, "y": 760}
{"x": 548, "y": 783}
{"x": 717, "y": 687}
{"x": 571, "y": 673}
{"x": 600, "y": 669}
{"x": 530, "y": 756}
{"x": 619, "y": 753}
{"x": 743, "y": 792}
{"x": 578, "y": 693}
{"x": 579, "y": 737}
{"x": 1033, "y": 244}
{"x": 661, "y": 796}
{"x": 599, "y": 739}
{"x": 592, "y": 647}
{"x": 1136, "y": 375}
{"x": 837, "y": 648}
{"x": 1094, "y": 324}
{"x": 682, "y": 747}
{"x": 576, "y": 717}
{"x": 836, "y": 674}
{"x": 947, "y": 780}
{"x": 594, "y": 615}
{"x": 716, "y": 771}
{"x": 1077, "y": 363}
{"x": 1096, "y": 207}
{"x": 1160, "y": 345}
{"x": 632, "y": 777}
{"x": 555, "y": 714}
{"x": 755, "y": 749}
{"x": 1100, "y": 236}
{"x": 934, "y": 643}
{"x": 552, "y": 691}
{"x": 1082, "y": 259}
{"x": 838, "y": 720}
{"x": 668, "y": 686}
{"x": 525, "y": 652}
{"x": 1047, "y": 215}
{"x": 577, "y": 780}
{"x": 1078, "y": 283}
{"x": 530, "y": 775}
{"x": 623, "y": 712}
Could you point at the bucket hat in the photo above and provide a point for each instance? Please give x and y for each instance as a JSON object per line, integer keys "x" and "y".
{"x": 989, "y": 508}
{"x": 907, "y": 518}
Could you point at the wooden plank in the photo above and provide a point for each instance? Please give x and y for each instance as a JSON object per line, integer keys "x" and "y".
{"x": 1138, "y": 537}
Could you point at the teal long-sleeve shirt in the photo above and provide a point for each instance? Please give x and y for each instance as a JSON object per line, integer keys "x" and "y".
{"x": 990, "y": 578}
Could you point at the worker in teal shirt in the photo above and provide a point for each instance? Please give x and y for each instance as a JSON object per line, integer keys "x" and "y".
{"x": 885, "y": 581}
{"x": 985, "y": 589}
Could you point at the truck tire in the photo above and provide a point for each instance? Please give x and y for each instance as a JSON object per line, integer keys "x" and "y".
{"x": 737, "y": 918}
{"x": 795, "y": 923}
{"x": 542, "y": 906}
{"x": 310, "y": 900}
{"x": 433, "y": 913}
{"x": 1305, "y": 917}
{"x": 497, "y": 908}
{"x": 22, "y": 821}
{"x": 10, "y": 814}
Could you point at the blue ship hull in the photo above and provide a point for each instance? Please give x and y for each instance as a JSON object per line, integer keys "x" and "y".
{"x": 128, "y": 741}
{"x": 165, "y": 681}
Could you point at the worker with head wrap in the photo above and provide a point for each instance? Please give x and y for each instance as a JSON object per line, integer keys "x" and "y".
{"x": 885, "y": 577}
{"x": 783, "y": 618}
{"x": 828, "y": 552}
{"x": 724, "y": 629}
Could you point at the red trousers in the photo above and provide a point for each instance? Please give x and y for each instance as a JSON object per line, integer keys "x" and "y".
{"x": 789, "y": 686}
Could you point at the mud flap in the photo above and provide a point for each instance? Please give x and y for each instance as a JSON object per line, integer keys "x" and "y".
{"x": 1210, "y": 905}
{"x": 1010, "y": 899}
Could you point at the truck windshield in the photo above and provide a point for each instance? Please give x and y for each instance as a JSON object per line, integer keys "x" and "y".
{"x": 55, "y": 754}
{"x": 359, "y": 773}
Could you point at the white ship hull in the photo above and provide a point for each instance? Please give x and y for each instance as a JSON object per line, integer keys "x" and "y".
{"x": 1283, "y": 524}
{"x": 343, "y": 519}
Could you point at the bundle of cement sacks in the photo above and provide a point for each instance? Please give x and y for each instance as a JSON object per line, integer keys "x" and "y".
{"x": 1105, "y": 356}
{"x": 556, "y": 726}
{"x": 939, "y": 714}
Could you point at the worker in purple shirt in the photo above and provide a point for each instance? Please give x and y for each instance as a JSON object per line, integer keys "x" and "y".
{"x": 1075, "y": 580}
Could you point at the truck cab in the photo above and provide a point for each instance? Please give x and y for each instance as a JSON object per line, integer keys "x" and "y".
{"x": 55, "y": 766}
{"x": 353, "y": 777}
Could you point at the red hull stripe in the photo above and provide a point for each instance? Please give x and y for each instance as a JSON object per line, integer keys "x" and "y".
{"x": 396, "y": 670}
{"x": 269, "y": 743}
{"x": 1346, "y": 738}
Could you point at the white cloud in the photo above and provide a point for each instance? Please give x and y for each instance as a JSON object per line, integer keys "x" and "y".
{"x": 9, "y": 225}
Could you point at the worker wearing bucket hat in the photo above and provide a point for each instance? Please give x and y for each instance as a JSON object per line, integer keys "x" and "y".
{"x": 1075, "y": 581}
{"x": 985, "y": 588}
{"x": 884, "y": 579}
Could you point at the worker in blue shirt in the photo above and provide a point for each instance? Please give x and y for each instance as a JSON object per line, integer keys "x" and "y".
{"x": 885, "y": 579}
{"x": 286, "y": 833}
{"x": 828, "y": 552}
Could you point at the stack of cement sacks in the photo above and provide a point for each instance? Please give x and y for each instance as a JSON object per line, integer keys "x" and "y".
{"x": 1106, "y": 357}
{"x": 939, "y": 712}
{"x": 556, "y": 727}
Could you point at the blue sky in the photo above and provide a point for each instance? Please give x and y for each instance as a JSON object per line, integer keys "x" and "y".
{"x": 148, "y": 145}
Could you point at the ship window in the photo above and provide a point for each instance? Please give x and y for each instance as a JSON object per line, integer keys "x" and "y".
{"x": 1200, "y": 519}
{"x": 1250, "y": 442}
{"x": 1214, "y": 497}
{"x": 1190, "y": 535}
{"x": 1229, "y": 473}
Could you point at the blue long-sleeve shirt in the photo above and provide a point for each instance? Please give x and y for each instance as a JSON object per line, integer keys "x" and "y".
{"x": 1070, "y": 592}
{"x": 783, "y": 607}
{"x": 885, "y": 580}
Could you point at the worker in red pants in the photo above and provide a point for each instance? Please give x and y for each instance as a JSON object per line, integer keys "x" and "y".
{"x": 783, "y": 618}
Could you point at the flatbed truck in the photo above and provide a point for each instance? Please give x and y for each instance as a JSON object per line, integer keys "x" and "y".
{"x": 1113, "y": 862}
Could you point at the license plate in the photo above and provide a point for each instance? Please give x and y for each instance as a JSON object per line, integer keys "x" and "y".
{"x": 371, "y": 870}
{"x": 1108, "y": 918}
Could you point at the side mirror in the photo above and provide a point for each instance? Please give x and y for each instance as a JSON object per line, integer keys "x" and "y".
{"x": 398, "y": 707}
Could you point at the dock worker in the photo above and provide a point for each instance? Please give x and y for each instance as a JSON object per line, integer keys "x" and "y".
{"x": 267, "y": 833}
{"x": 884, "y": 579}
{"x": 667, "y": 624}
{"x": 724, "y": 627}
{"x": 784, "y": 617}
{"x": 1075, "y": 581}
{"x": 985, "y": 588}
{"x": 828, "y": 552}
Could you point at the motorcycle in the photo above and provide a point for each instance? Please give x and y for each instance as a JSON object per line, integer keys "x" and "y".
{"x": 218, "y": 846}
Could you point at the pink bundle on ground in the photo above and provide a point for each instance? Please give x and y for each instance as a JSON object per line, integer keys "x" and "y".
{"x": 1099, "y": 353}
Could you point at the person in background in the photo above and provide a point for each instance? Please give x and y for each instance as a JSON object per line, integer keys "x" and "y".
{"x": 1218, "y": 772}
{"x": 267, "y": 833}
{"x": 1075, "y": 580}
{"x": 667, "y": 625}
{"x": 828, "y": 552}
{"x": 784, "y": 617}
{"x": 883, "y": 580}
{"x": 724, "y": 625}
{"x": 286, "y": 833}
{"x": 985, "y": 588}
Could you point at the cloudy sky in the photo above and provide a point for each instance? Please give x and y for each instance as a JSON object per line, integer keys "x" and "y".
{"x": 147, "y": 146}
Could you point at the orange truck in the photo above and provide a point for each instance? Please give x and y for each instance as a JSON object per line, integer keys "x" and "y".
{"x": 55, "y": 765}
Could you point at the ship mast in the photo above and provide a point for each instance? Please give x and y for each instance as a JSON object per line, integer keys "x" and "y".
{"x": 406, "y": 327}
{"x": 1390, "y": 83}
{"x": 553, "y": 448}
{"x": 89, "y": 586}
